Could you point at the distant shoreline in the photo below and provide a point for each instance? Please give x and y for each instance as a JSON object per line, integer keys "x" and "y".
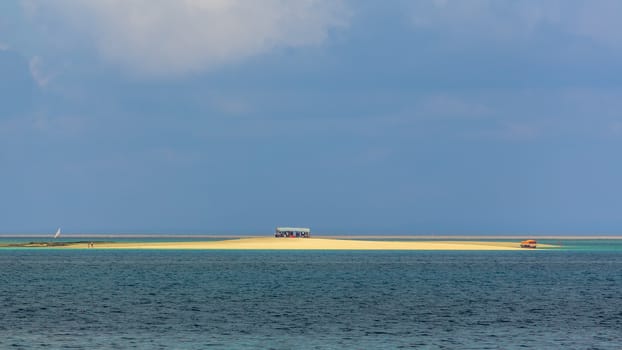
{"x": 326, "y": 236}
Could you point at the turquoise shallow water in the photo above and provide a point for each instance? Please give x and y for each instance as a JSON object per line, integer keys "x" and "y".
{"x": 542, "y": 299}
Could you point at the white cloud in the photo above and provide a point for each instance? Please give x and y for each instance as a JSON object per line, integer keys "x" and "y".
{"x": 42, "y": 78}
{"x": 64, "y": 125}
{"x": 231, "y": 106}
{"x": 600, "y": 21}
{"x": 451, "y": 107}
{"x": 518, "y": 131}
{"x": 168, "y": 37}
{"x": 616, "y": 128}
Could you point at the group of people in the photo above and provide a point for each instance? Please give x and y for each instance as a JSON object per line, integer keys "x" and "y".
{"x": 292, "y": 234}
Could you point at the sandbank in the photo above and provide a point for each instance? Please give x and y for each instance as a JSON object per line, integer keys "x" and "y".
{"x": 270, "y": 243}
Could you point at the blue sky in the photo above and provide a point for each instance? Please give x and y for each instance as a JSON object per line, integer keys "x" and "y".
{"x": 401, "y": 117}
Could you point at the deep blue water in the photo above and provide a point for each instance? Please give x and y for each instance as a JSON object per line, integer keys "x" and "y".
{"x": 542, "y": 299}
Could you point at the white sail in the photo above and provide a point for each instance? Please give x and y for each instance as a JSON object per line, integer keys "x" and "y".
{"x": 57, "y": 234}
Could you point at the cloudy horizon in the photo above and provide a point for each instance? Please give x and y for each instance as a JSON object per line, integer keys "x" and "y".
{"x": 429, "y": 117}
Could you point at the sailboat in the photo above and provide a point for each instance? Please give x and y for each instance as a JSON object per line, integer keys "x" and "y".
{"x": 57, "y": 234}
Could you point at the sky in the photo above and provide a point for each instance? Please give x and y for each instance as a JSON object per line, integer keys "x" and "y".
{"x": 428, "y": 117}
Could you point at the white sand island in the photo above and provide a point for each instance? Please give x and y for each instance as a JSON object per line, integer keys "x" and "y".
{"x": 270, "y": 243}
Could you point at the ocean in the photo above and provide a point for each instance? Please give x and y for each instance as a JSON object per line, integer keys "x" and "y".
{"x": 569, "y": 298}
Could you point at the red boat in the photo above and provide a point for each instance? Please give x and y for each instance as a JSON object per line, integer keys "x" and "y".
{"x": 530, "y": 243}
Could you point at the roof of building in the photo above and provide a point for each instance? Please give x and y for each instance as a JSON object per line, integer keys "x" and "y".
{"x": 293, "y": 229}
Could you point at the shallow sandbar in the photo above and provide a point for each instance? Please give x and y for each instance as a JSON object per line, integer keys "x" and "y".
{"x": 269, "y": 243}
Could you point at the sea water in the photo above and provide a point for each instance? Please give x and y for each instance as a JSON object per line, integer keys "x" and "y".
{"x": 169, "y": 299}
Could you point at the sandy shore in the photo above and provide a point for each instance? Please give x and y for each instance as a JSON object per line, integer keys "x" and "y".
{"x": 269, "y": 243}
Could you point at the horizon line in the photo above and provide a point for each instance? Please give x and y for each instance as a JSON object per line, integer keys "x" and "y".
{"x": 414, "y": 236}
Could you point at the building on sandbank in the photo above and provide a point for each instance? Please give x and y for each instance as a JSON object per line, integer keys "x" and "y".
{"x": 292, "y": 232}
